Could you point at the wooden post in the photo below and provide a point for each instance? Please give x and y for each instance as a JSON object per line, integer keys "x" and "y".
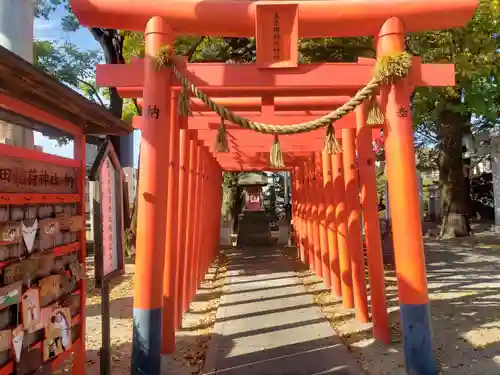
{"x": 198, "y": 215}
{"x": 79, "y": 360}
{"x": 190, "y": 220}
{"x": 315, "y": 183}
{"x": 171, "y": 249}
{"x": 299, "y": 226}
{"x": 331, "y": 229}
{"x": 152, "y": 202}
{"x": 182, "y": 228}
{"x": 208, "y": 213}
{"x": 405, "y": 213}
{"x": 308, "y": 216}
{"x": 201, "y": 226}
{"x": 353, "y": 224}
{"x": 295, "y": 203}
{"x": 323, "y": 238}
{"x": 369, "y": 204}
{"x": 196, "y": 221}
{"x": 341, "y": 221}
{"x": 217, "y": 207}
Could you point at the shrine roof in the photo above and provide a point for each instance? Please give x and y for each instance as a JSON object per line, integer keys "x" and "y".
{"x": 22, "y": 81}
{"x": 252, "y": 179}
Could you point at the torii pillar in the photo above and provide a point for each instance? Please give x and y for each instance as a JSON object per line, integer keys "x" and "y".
{"x": 152, "y": 204}
{"x": 405, "y": 213}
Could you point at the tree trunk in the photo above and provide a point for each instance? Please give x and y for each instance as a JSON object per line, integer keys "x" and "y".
{"x": 453, "y": 188}
{"x": 111, "y": 42}
{"x": 236, "y": 208}
{"x": 227, "y": 202}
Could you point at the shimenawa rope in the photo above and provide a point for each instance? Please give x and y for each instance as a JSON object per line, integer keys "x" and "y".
{"x": 388, "y": 69}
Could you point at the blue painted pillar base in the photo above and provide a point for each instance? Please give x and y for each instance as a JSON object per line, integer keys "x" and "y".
{"x": 146, "y": 342}
{"x": 417, "y": 344}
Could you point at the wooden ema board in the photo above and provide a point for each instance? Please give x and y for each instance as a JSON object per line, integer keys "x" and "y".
{"x": 31, "y": 176}
{"x": 40, "y": 269}
{"x": 276, "y": 30}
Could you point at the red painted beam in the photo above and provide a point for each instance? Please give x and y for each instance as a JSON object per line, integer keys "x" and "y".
{"x": 340, "y": 18}
{"x": 212, "y": 120}
{"x": 307, "y": 77}
{"x": 244, "y": 91}
{"x": 252, "y": 104}
{"x": 348, "y": 121}
{"x": 211, "y": 116}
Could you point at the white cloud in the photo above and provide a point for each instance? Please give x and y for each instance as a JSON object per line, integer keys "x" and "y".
{"x": 47, "y": 29}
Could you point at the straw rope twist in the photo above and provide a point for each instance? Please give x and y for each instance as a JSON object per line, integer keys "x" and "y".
{"x": 388, "y": 69}
{"x": 363, "y": 94}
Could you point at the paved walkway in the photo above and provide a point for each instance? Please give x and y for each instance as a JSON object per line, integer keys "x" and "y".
{"x": 267, "y": 324}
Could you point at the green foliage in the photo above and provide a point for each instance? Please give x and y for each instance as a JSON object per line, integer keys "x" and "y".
{"x": 335, "y": 49}
{"x": 133, "y": 45}
{"x": 68, "y": 64}
{"x": 229, "y": 194}
{"x": 129, "y": 110}
{"x": 230, "y": 179}
{"x": 197, "y": 48}
{"x": 44, "y": 8}
{"x": 474, "y": 51}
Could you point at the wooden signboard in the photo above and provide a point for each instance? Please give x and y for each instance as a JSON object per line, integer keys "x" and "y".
{"x": 31, "y": 176}
{"x": 277, "y": 35}
{"x": 108, "y": 235}
{"x": 108, "y": 211}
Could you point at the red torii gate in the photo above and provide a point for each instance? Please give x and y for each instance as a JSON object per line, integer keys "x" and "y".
{"x": 158, "y": 214}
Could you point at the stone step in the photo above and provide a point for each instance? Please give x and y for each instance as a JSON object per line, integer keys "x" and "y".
{"x": 253, "y": 229}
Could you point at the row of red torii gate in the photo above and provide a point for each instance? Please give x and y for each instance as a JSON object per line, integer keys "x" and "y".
{"x": 179, "y": 191}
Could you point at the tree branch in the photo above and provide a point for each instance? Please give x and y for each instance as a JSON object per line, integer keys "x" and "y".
{"x": 97, "y": 33}
{"x": 426, "y": 136}
{"x": 93, "y": 89}
{"x": 137, "y": 107}
{"x": 194, "y": 47}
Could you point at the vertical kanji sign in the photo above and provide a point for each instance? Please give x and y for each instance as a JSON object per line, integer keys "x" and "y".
{"x": 108, "y": 214}
{"x": 277, "y": 35}
{"x": 108, "y": 220}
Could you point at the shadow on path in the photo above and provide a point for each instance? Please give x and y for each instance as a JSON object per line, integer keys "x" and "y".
{"x": 268, "y": 324}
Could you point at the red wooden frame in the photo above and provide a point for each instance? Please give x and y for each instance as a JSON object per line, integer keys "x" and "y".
{"x": 307, "y": 78}
{"x": 28, "y": 110}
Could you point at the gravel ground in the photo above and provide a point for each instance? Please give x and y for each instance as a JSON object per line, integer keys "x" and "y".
{"x": 464, "y": 287}
{"x": 192, "y": 340}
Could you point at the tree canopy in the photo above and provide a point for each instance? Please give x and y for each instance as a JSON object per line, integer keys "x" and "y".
{"x": 441, "y": 115}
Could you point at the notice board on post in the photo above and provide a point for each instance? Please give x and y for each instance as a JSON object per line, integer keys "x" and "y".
{"x": 277, "y": 35}
{"x": 109, "y": 252}
{"x": 108, "y": 211}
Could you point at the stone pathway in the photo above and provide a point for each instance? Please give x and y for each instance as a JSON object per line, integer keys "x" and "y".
{"x": 267, "y": 324}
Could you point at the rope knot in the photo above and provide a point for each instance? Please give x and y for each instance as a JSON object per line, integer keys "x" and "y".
{"x": 163, "y": 56}
{"x": 375, "y": 114}
{"x": 393, "y": 67}
{"x": 331, "y": 146}
{"x": 221, "y": 144}
{"x": 276, "y": 156}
